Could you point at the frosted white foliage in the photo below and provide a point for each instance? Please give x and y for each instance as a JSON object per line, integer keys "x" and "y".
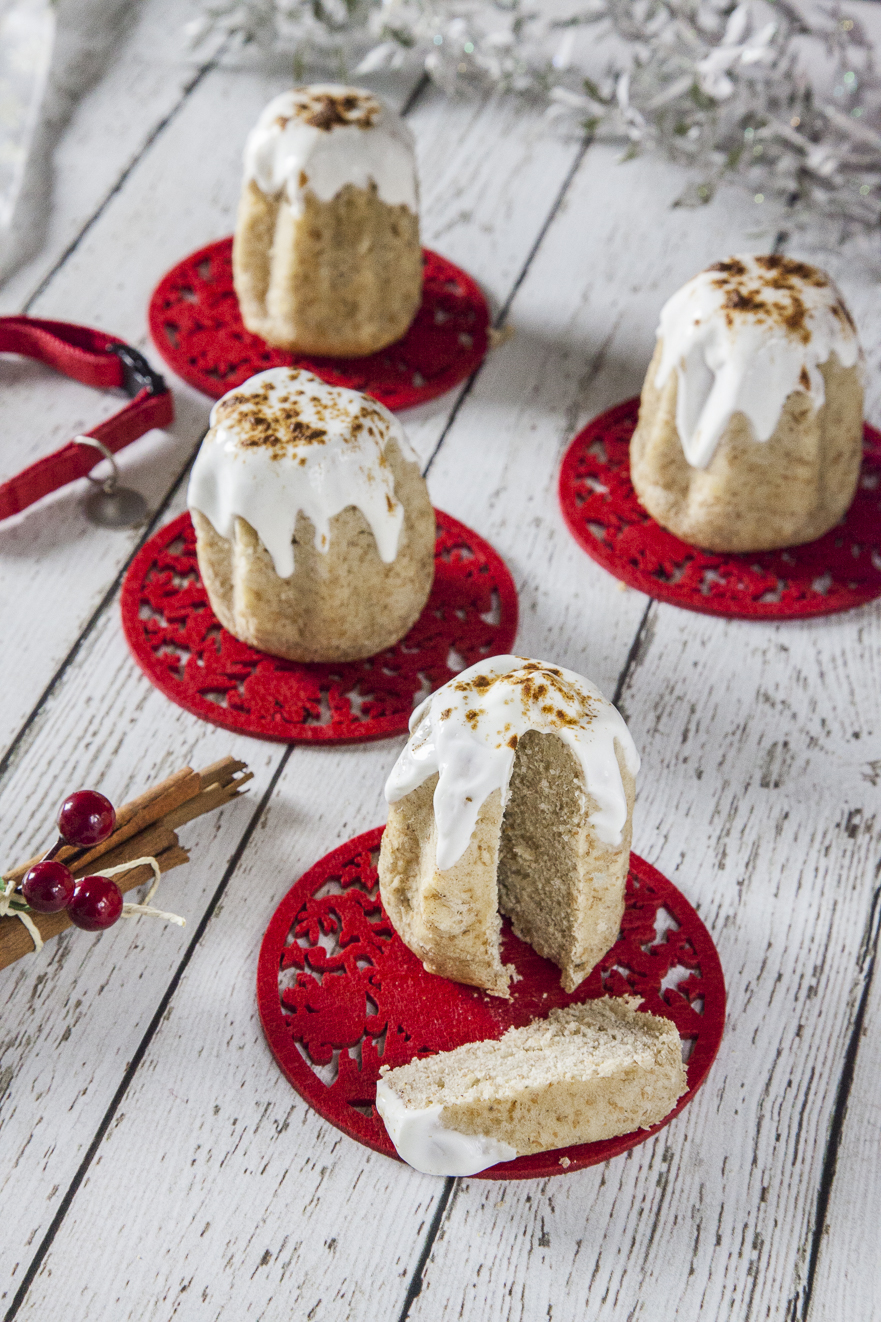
{"x": 784, "y": 99}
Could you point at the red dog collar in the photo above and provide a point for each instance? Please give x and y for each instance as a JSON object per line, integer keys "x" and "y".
{"x": 95, "y": 359}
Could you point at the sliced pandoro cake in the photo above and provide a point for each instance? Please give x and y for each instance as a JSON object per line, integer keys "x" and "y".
{"x": 514, "y": 794}
{"x": 587, "y": 1072}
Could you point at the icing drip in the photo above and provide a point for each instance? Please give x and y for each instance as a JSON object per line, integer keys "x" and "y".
{"x": 425, "y": 1143}
{"x": 283, "y": 442}
{"x": 326, "y": 136}
{"x": 742, "y": 336}
{"x": 468, "y": 731}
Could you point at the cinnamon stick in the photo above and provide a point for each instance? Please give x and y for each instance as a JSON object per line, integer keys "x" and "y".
{"x": 130, "y": 820}
{"x": 206, "y": 801}
{"x": 223, "y": 772}
{"x": 145, "y": 827}
{"x": 183, "y": 785}
{"x": 15, "y": 939}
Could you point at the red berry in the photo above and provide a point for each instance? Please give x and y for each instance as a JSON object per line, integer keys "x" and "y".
{"x": 86, "y": 818}
{"x": 48, "y": 887}
{"x": 96, "y": 904}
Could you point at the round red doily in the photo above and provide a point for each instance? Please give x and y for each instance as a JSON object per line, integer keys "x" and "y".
{"x": 840, "y": 570}
{"x": 340, "y": 994}
{"x": 180, "y": 645}
{"x": 197, "y": 327}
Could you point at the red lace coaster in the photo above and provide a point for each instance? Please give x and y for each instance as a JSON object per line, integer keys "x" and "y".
{"x": 340, "y": 994}
{"x": 838, "y": 571}
{"x": 181, "y": 646}
{"x": 197, "y": 327}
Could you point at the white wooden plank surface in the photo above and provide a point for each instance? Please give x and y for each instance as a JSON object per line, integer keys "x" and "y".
{"x": 103, "y": 688}
{"x": 106, "y": 282}
{"x": 268, "y": 1211}
{"x": 82, "y": 678}
{"x": 757, "y": 798}
{"x": 688, "y": 1224}
{"x": 459, "y": 217}
{"x": 144, "y": 79}
{"x": 714, "y": 1216}
{"x": 845, "y": 1251}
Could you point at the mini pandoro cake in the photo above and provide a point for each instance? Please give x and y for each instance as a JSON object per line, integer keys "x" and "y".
{"x": 751, "y": 419}
{"x": 314, "y": 530}
{"x": 326, "y": 255}
{"x": 586, "y": 1073}
{"x": 514, "y": 794}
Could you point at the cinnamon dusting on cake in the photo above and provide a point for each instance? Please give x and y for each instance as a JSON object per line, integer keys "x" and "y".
{"x": 471, "y": 742}
{"x": 274, "y": 421}
{"x": 534, "y": 683}
{"x": 775, "y": 297}
{"x": 331, "y": 110}
{"x": 274, "y": 425}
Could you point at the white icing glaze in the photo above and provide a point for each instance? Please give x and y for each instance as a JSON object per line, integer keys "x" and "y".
{"x": 468, "y": 733}
{"x": 428, "y": 1145}
{"x": 283, "y": 151}
{"x": 743, "y": 340}
{"x": 283, "y": 442}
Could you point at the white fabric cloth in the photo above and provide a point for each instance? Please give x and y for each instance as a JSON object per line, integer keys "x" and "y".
{"x": 27, "y": 38}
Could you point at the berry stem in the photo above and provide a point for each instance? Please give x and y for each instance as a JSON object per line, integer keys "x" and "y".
{"x": 59, "y": 844}
{"x": 20, "y": 911}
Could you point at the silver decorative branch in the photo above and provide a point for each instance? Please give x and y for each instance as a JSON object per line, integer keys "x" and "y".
{"x": 786, "y": 101}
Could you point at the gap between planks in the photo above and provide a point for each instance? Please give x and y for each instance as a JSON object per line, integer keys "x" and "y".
{"x": 155, "y": 522}
{"x": 133, "y": 1066}
{"x": 106, "y": 603}
{"x": 451, "y": 1183}
{"x": 155, "y": 133}
{"x": 444, "y": 1202}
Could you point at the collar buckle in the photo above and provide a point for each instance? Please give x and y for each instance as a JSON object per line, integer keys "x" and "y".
{"x": 137, "y": 374}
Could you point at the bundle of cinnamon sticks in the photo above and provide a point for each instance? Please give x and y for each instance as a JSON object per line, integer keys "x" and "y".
{"x": 145, "y": 828}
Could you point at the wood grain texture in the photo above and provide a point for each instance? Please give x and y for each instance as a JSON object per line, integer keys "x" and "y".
{"x": 78, "y": 1010}
{"x": 54, "y": 543}
{"x": 101, "y": 702}
{"x": 275, "y": 1213}
{"x": 146, "y": 76}
{"x": 741, "y": 743}
{"x": 174, "y": 199}
{"x": 584, "y": 323}
{"x": 757, "y": 797}
{"x": 844, "y": 1251}
{"x": 745, "y": 731}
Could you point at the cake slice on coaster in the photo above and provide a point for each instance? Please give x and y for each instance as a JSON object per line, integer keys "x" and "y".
{"x": 587, "y": 1072}
{"x": 513, "y": 794}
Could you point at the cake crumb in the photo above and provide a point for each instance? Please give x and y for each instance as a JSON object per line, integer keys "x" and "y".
{"x": 565, "y": 1162}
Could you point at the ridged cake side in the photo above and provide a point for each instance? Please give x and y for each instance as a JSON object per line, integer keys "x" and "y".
{"x": 341, "y": 278}
{"x": 753, "y": 495}
{"x": 338, "y": 605}
{"x": 586, "y": 1073}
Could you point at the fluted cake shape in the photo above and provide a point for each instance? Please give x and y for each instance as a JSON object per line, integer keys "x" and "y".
{"x": 314, "y": 530}
{"x": 514, "y": 794}
{"x": 326, "y": 255}
{"x": 750, "y": 422}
